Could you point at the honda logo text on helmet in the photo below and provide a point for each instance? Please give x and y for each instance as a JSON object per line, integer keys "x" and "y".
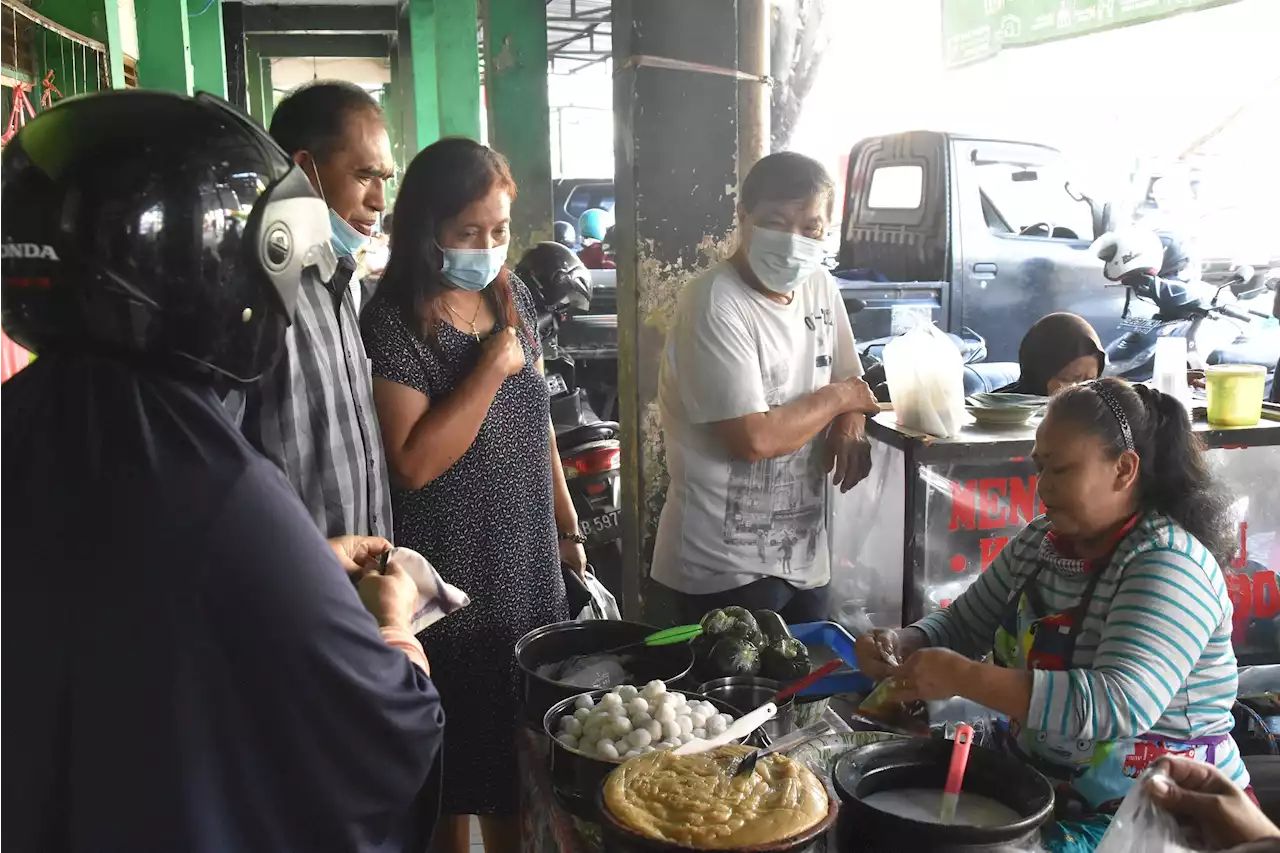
{"x": 27, "y": 251}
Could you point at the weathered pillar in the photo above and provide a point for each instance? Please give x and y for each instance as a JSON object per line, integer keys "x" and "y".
{"x": 425, "y": 106}
{"x": 458, "y": 68}
{"x": 518, "y": 111}
{"x": 675, "y": 140}
{"x": 253, "y": 79}
{"x": 268, "y": 92}
{"x": 164, "y": 45}
{"x": 233, "y": 39}
{"x": 402, "y": 79}
{"x": 208, "y": 51}
{"x": 753, "y": 95}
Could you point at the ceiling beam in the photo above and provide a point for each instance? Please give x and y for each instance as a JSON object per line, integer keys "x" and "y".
{"x": 342, "y": 45}
{"x": 289, "y": 19}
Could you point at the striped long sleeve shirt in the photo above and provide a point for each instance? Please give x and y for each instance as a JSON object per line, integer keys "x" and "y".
{"x": 1153, "y": 654}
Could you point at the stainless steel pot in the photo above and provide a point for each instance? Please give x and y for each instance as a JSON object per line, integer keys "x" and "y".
{"x": 746, "y": 693}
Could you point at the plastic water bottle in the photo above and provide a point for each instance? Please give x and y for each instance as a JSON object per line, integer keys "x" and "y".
{"x": 1170, "y": 373}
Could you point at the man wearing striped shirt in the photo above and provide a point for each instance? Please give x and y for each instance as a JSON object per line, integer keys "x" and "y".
{"x": 1108, "y": 617}
{"x": 313, "y": 414}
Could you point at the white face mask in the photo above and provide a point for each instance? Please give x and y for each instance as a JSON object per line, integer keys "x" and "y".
{"x": 346, "y": 240}
{"x": 783, "y": 260}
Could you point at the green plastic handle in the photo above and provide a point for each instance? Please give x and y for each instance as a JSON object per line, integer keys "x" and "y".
{"x": 671, "y": 636}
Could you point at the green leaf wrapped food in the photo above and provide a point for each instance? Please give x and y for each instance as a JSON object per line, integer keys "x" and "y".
{"x": 772, "y": 626}
{"x": 785, "y": 660}
{"x": 744, "y": 625}
{"x": 716, "y": 623}
{"x": 731, "y": 656}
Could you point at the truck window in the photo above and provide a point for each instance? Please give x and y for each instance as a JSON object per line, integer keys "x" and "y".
{"x": 1031, "y": 201}
{"x": 896, "y": 188}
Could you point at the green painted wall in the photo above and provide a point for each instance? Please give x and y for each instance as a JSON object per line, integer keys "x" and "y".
{"x": 97, "y": 19}
{"x": 422, "y": 38}
{"x": 458, "y": 68}
{"x": 164, "y": 45}
{"x": 519, "y": 116}
{"x": 208, "y": 51}
{"x": 253, "y": 77}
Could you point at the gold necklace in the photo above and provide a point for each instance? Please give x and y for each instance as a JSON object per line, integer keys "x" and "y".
{"x": 472, "y": 322}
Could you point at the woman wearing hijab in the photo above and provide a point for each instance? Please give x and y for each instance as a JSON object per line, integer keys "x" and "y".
{"x": 1058, "y": 350}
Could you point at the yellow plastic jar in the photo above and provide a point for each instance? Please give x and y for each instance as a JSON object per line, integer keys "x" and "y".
{"x": 1235, "y": 393}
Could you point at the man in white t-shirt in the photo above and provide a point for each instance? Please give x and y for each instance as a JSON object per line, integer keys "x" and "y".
{"x": 760, "y": 398}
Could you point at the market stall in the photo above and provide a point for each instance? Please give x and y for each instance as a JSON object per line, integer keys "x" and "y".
{"x": 935, "y": 512}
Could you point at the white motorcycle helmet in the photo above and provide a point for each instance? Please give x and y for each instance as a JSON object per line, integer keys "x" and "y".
{"x": 1128, "y": 252}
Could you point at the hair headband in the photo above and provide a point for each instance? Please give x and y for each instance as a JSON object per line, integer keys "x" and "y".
{"x": 1100, "y": 388}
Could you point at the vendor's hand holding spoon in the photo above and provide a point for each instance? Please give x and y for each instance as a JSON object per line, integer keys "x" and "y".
{"x": 880, "y": 650}
{"x": 932, "y": 674}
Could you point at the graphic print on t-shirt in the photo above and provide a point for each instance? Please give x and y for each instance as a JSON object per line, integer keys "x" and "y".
{"x": 777, "y": 505}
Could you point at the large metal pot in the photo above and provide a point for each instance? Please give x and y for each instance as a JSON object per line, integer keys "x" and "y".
{"x": 563, "y": 640}
{"x": 748, "y": 693}
{"x": 575, "y": 776}
{"x": 923, "y": 763}
{"x": 620, "y": 838}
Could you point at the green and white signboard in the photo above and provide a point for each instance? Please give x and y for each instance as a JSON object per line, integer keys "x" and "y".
{"x": 973, "y": 30}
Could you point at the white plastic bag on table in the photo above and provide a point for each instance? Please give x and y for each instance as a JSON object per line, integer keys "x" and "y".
{"x": 1141, "y": 826}
{"x": 925, "y": 372}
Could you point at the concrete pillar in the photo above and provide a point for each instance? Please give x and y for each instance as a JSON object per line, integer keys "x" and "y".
{"x": 675, "y": 142}
{"x": 754, "y": 98}
{"x": 457, "y": 68}
{"x": 268, "y": 92}
{"x": 233, "y": 40}
{"x": 208, "y": 51}
{"x": 401, "y": 90}
{"x": 164, "y": 45}
{"x": 425, "y": 105}
{"x": 518, "y": 112}
{"x": 97, "y": 19}
{"x": 253, "y": 79}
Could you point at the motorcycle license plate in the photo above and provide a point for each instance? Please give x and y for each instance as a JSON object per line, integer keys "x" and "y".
{"x": 556, "y": 384}
{"x": 1139, "y": 324}
{"x": 604, "y": 527}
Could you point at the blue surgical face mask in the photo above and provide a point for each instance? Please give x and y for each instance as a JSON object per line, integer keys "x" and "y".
{"x": 783, "y": 260}
{"x": 346, "y": 240}
{"x": 473, "y": 269}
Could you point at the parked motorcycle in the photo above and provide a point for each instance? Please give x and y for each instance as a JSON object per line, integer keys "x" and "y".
{"x": 1218, "y": 328}
{"x": 590, "y": 452}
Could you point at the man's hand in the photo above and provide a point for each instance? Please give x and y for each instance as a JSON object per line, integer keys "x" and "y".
{"x": 1223, "y": 813}
{"x": 391, "y": 597}
{"x": 359, "y": 554}
{"x": 848, "y": 451}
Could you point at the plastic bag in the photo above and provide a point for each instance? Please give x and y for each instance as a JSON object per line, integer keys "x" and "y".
{"x": 588, "y": 598}
{"x": 925, "y": 373}
{"x": 1141, "y": 826}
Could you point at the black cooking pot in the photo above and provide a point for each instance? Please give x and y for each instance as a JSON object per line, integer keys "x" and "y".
{"x": 576, "y": 777}
{"x": 563, "y": 640}
{"x": 923, "y": 763}
{"x": 620, "y": 838}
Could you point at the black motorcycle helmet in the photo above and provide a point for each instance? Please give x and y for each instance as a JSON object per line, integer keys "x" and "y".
{"x": 1176, "y": 255}
{"x": 556, "y": 277}
{"x": 564, "y": 233}
{"x": 157, "y": 227}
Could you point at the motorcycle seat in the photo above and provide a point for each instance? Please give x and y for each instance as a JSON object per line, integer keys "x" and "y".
{"x": 989, "y": 376}
{"x": 1264, "y": 350}
{"x": 587, "y": 433}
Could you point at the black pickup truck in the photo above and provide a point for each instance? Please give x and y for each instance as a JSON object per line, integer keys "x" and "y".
{"x": 968, "y": 232}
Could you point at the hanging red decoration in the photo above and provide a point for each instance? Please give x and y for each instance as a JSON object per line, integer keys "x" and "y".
{"x": 46, "y": 97}
{"x": 22, "y": 110}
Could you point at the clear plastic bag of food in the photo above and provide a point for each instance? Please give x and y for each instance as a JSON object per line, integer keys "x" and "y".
{"x": 1141, "y": 826}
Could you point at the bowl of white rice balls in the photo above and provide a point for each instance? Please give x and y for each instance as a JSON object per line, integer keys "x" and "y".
{"x": 594, "y": 732}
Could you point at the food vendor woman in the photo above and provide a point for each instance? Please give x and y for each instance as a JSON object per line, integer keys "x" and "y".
{"x": 1108, "y": 616}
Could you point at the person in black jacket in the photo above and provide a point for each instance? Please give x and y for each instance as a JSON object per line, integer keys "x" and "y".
{"x": 196, "y": 671}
